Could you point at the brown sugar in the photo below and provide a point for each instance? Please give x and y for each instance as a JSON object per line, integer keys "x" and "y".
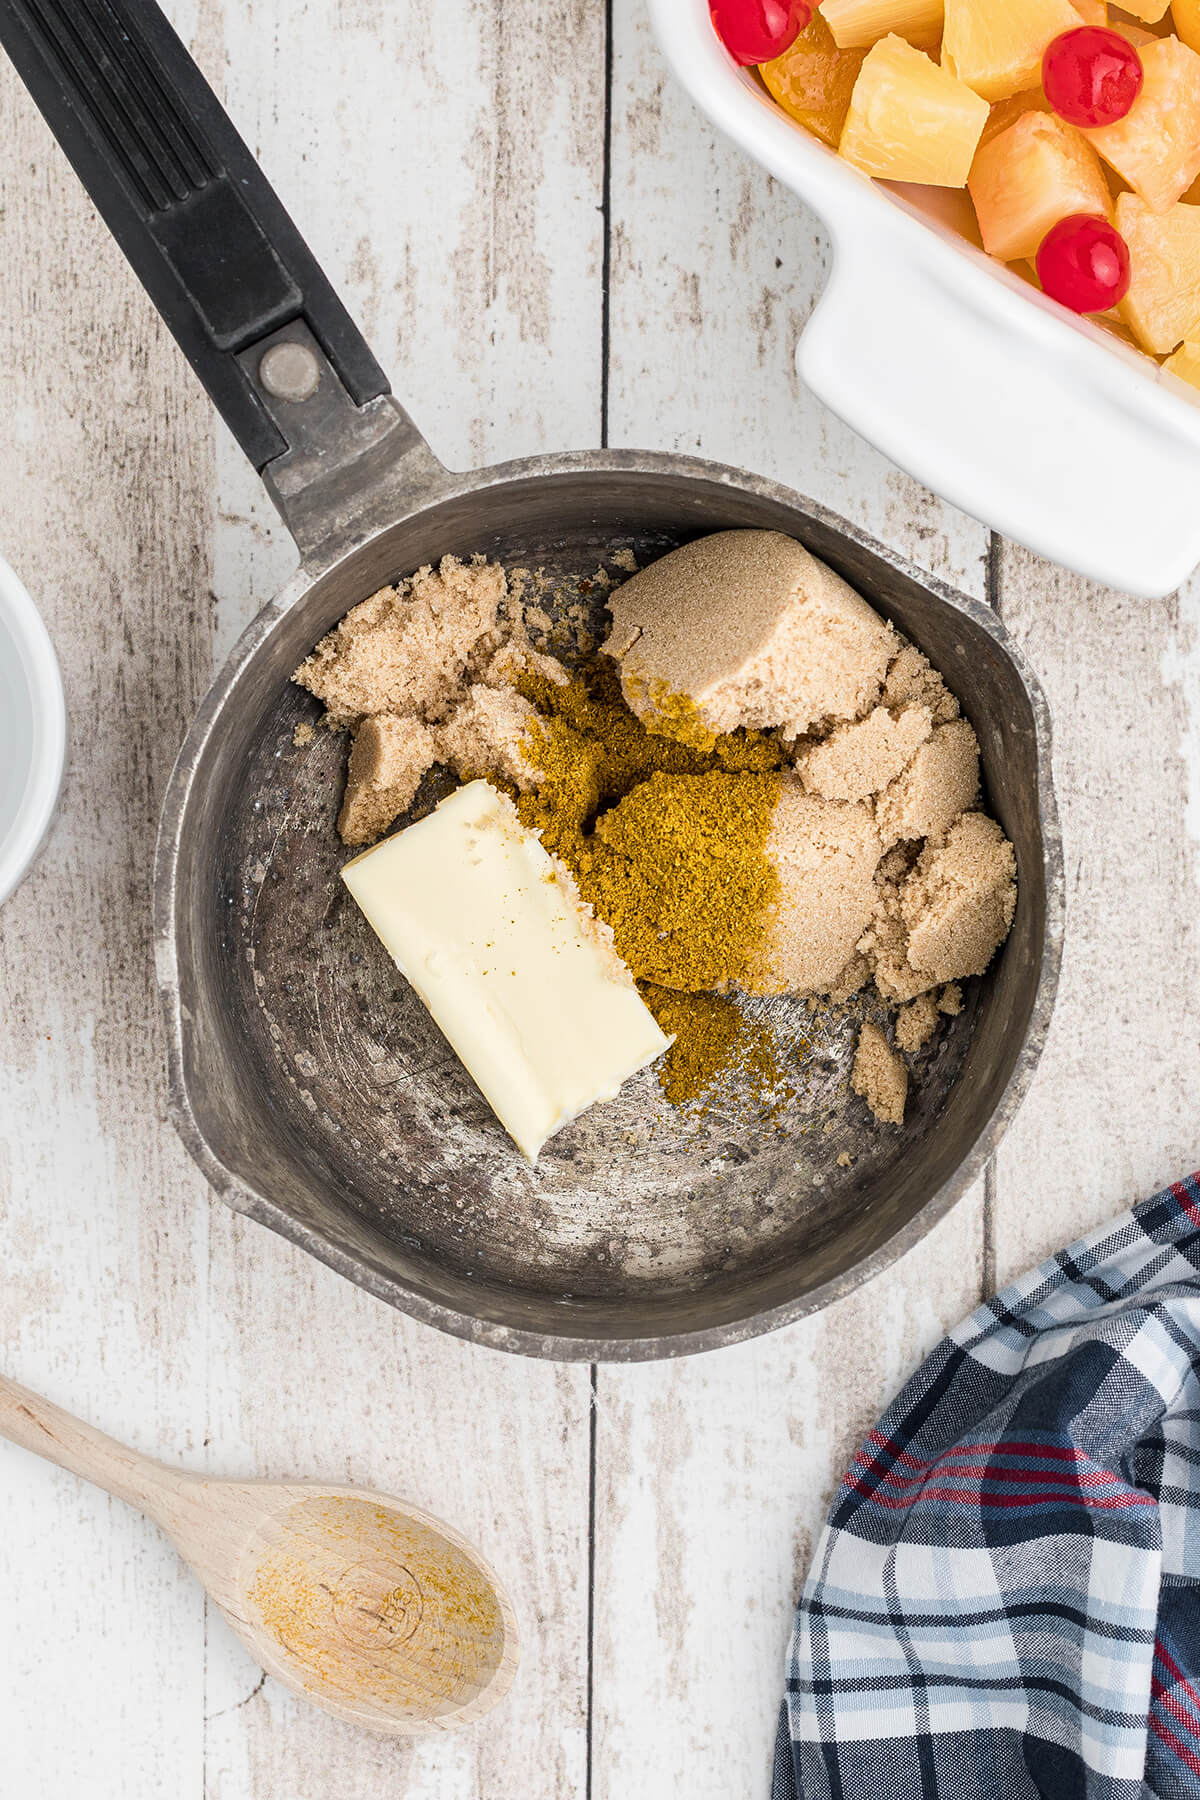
{"x": 850, "y": 980}
{"x": 422, "y": 673}
{"x": 959, "y": 901}
{"x": 824, "y": 853}
{"x": 884, "y": 944}
{"x": 859, "y": 760}
{"x": 488, "y": 733}
{"x": 913, "y": 681}
{"x": 916, "y": 1023}
{"x": 880, "y": 1076}
{"x": 940, "y": 782}
{"x": 405, "y": 650}
{"x": 752, "y": 631}
{"x": 390, "y": 757}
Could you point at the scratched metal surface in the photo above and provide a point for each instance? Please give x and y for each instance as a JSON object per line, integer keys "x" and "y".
{"x": 318, "y": 1089}
{"x": 635, "y": 1191}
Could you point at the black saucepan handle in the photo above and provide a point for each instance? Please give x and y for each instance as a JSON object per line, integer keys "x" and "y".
{"x": 183, "y": 197}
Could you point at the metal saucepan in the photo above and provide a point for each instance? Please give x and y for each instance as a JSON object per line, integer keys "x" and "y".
{"x": 306, "y": 1079}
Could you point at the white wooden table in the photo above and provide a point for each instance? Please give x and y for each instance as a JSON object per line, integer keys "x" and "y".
{"x": 546, "y": 246}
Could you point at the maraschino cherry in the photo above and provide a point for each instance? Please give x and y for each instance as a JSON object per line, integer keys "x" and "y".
{"x": 757, "y": 31}
{"x": 1083, "y": 263}
{"x": 1092, "y": 76}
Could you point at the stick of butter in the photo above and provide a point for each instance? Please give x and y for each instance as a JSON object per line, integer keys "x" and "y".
{"x": 520, "y": 976}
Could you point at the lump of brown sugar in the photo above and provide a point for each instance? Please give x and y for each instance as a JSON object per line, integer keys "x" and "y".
{"x": 948, "y": 917}
{"x": 499, "y": 665}
{"x": 959, "y": 901}
{"x": 913, "y": 681}
{"x": 861, "y": 759}
{"x": 916, "y": 1023}
{"x": 488, "y": 734}
{"x": 745, "y": 628}
{"x": 389, "y": 758}
{"x": 406, "y": 648}
{"x": 884, "y": 944}
{"x": 880, "y": 1076}
{"x": 824, "y": 853}
{"x": 940, "y": 782}
{"x": 852, "y": 979}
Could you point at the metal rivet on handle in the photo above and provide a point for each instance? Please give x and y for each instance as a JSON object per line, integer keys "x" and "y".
{"x": 289, "y": 371}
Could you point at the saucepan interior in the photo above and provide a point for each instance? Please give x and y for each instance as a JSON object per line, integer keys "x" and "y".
{"x": 321, "y": 1098}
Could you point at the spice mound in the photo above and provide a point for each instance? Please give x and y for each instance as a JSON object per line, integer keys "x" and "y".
{"x": 757, "y": 785}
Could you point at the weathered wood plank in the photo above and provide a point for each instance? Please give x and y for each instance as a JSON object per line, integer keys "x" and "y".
{"x": 714, "y": 1474}
{"x": 449, "y": 169}
{"x": 102, "y": 1219}
{"x": 1112, "y": 1115}
{"x": 715, "y": 270}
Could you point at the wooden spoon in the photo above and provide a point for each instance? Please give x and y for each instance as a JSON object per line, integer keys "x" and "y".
{"x": 370, "y": 1609}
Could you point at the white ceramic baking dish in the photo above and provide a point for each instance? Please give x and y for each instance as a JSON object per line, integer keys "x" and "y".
{"x": 1045, "y": 427}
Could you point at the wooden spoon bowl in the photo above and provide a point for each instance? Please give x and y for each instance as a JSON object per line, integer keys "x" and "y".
{"x": 369, "y": 1608}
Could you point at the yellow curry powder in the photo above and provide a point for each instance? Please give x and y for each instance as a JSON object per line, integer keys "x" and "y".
{"x": 667, "y": 841}
{"x": 371, "y": 1606}
{"x": 679, "y": 870}
{"x": 712, "y": 1036}
{"x": 673, "y": 715}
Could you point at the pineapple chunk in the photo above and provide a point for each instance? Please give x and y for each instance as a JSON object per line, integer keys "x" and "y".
{"x": 910, "y": 120}
{"x": 813, "y": 80}
{"x": 1156, "y": 146}
{"x": 996, "y": 48}
{"x": 1186, "y": 17}
{"x": 1092, "y": 12}
{"x": 1149, "y": 11}
{"x": 857, "y": 24}
{"x": 1185, "y": 363}
{"x": 1007, "y": 112}
{"x": 1028, "y": 178}
{"x": 1137, "y": 35}
{"x": 1162, "y": 306}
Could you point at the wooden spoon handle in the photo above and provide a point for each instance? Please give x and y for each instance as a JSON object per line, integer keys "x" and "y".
{"x": 37, "y": 1425}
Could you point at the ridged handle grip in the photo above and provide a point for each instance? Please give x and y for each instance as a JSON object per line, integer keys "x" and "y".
{"x": 184, "y": 198}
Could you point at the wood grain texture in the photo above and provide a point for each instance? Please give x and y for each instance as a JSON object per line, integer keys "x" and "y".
{"x": 713, "y": 1475}
{"x": 130, "y": 1297}
{"x": 1112, "y": 1115}
{"x": 379, "y": 1612}
{"x": 715, "y": 271}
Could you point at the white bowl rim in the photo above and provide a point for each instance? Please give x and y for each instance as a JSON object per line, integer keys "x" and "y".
{"x": 39, "y": 665}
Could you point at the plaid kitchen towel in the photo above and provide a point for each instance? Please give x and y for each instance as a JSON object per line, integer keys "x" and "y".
{"x": 1005, "y": 1602}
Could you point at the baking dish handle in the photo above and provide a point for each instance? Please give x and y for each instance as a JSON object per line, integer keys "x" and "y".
{"x": 202, "y": 227}
{"x": 1006, "y": 423}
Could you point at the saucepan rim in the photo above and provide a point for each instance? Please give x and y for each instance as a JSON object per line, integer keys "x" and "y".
{"x": 559, "y": 1345}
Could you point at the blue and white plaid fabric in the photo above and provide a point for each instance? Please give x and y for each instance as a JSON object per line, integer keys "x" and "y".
{"x": 1005, "y": 1602}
